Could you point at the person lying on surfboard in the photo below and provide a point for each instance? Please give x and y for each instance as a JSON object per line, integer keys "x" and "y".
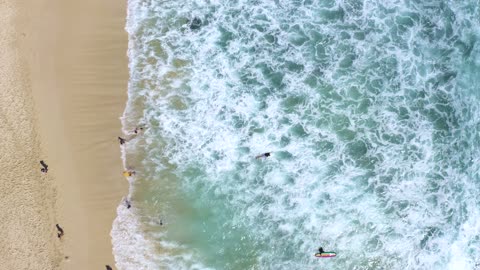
{"x": 325, "y": 254}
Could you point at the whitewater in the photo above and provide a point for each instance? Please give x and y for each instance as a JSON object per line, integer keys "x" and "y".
{"x": 369, "y": 108}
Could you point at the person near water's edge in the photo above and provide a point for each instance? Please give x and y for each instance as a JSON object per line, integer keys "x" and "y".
{"x": 137, "y": 129}
{"x": 121, "y": 140}
{"x": 129, "y": 173}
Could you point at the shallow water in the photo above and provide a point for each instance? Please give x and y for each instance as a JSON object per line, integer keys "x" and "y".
{"x": 370, "y": 110}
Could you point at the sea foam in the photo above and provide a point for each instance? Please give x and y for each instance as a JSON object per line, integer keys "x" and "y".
{"x": 370, "y": 111}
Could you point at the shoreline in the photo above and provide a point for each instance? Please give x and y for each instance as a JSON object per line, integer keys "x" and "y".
{"x": 76, "y": 56}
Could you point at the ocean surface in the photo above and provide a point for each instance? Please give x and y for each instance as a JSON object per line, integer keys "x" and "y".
{"x": 369, "y": 108}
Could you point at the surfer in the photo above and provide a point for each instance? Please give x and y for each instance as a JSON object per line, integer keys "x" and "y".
{"x": 264, "y": 155}
{"x": 325, "y": 254}
{"x": 121, "y": 140}
{"x": 45, "y": 167}
{"x": 195, "y": 24}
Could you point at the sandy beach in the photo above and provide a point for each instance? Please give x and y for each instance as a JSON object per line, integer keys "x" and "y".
{"x": 64, "y": 80}
{"x": 27, "y": 230}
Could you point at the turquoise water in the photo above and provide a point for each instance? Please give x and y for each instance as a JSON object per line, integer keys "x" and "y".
{"x": 371, "y": 112}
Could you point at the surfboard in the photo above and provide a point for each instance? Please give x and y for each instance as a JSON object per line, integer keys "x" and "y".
{"x": 328, "y": 254}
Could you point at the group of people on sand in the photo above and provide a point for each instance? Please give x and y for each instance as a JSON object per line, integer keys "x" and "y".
{"x": 60, "y": 231}
{"x": 44, "y": 169}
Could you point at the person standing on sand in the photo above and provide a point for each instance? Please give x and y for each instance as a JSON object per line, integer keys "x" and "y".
{"x": 60, "y": 231}
{"x": 108, "y": 267}
{"x": 45, "y": 167}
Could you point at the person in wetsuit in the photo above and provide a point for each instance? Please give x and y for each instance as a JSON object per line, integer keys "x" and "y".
{"x": 264, "y": 155}
{"x": 121, "y": 140}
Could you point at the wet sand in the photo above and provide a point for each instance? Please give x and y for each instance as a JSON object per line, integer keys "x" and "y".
{"x": 66, "y": 92}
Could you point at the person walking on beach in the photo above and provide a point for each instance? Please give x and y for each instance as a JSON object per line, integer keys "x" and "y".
{"x": 264, "y": 155}
{"x": 121, "y": 140}
{"x": 60, "y": 231}
{"x": 108, "y": 267}
{"x": 45, "y": 167}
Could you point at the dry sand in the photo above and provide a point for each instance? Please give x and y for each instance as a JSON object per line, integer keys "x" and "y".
{"x": 27, "y": 198}
{"x": 64, "y": 78}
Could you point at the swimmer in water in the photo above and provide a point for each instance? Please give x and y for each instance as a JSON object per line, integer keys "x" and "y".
{"x": 264, "y": 155}
{"x": 137, "y": 130}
